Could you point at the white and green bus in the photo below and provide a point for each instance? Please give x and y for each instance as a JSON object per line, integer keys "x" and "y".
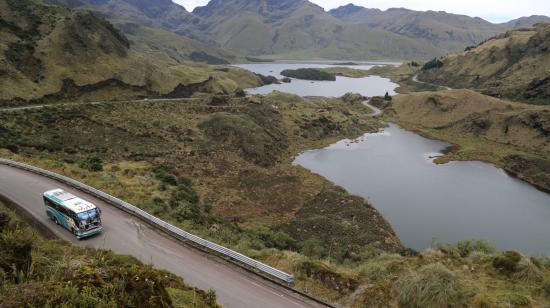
{"x": 79, "y": 216}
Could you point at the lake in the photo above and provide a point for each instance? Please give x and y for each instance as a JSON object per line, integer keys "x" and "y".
{"x": 422, "y": 200}
{"x": 367, "y": 86}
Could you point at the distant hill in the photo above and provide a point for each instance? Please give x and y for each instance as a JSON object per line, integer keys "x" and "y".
{"x": 525, "y": 22}
{"x": 449, "y": 32}
{"x": 513, "y": 65}
{"x": 148, "y": 22}
{"x": 52, "y": 53}
{"x": 299, "y": 29}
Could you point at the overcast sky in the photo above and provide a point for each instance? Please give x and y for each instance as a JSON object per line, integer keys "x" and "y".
{"x": 492, "y": 10}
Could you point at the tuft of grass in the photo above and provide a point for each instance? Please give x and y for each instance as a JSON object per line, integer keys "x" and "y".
{"x": 433, "y": 285}
{"x": 527, "y": 271}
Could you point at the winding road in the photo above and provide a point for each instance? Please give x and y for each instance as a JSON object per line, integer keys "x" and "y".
{"x": 375, "y": 111}
{"x": 125, "y": 234}
{"x": 415, "y": 79}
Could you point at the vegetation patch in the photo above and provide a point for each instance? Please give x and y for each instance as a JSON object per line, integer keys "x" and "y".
{"x": 433, "y": 285}
{"x": 309, "y": 74}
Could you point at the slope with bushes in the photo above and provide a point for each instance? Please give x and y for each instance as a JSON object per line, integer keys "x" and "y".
{"x": 48, "y": 52}
{"x": 236, "y": 151}
{"x": 40, "y": 272}
{"x": 514, "y": 65}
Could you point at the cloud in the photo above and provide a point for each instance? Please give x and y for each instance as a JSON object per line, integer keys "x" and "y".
{"x": 493, "y": 10}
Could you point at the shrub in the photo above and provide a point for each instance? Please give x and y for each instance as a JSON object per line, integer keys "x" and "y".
{"x": 309, "y": 74}
{"x": 507, "y": 262}
{"x": 466, "y": 247}
{"x": 546, "y": 288}
{"x": 4, "y": 221}
{"x": 434, "y": 63}
{"x": 313, "y": 247}
{"x": 515, "y": 300}
{"x": 282, "y": 240}
{"x": 92, "y": 163}
{"x": 432, "y": 286}
{"x": 211, "y": 297}
{"x": 528, "y": 272}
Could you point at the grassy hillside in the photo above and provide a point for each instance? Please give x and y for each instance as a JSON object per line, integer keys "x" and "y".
{"x": 447, "y": 32}
{"x": 511, "y": 135}
{"x": 236, "y": 151}
{"x": 221, "y": 168}
{"x": 38, "y": 272}
{"x": 51, "y": 53}
{"x": 299, "y": 29}
{"x": 171, "y": 48}
{"x": 514, "y": 65}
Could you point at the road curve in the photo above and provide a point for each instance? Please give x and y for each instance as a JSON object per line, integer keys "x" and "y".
{"x": 125, "y": 234}
{"x": 375, "y": 111}
{"x": 415, "y": 79}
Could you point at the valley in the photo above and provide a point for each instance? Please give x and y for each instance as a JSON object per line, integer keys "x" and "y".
{"x": 249, "y": 124}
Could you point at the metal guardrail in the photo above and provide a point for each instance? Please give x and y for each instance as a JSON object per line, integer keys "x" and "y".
{"x": 159, "y": 223}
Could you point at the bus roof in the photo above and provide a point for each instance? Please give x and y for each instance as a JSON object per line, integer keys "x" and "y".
{"x": 69, "y": 200}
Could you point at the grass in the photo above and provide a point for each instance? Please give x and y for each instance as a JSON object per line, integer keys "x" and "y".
{"x": 432, "y": 285}
{"x": 38, "y": 272}
{"x": 236, "y": 152}
{"x": 513, "y": 65}
{"x": 185, "y": 171}
{"x": 79, "y": 49}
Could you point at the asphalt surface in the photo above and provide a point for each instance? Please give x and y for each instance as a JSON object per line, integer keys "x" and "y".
{"x": 235, "y": 287}
{"x": 415, "y": 79}
{"x": 375, "y": 111}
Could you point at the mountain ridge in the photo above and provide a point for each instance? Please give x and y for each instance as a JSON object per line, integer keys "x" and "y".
{"x": 300, "y": 29}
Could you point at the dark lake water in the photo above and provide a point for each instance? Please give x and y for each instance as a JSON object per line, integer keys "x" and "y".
{"x": 422, "y": 200}
{"x": 368, "y": 86}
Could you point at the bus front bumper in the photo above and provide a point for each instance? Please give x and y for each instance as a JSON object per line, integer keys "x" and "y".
{"x": 84, "y": 234}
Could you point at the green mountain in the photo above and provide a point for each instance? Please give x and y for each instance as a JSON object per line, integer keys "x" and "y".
{"x": 513, "y": 65}
{"x": 299, "y": 29}
{"x": 447, "y": 32}
{"x": 150, "y": 25}
{"x": 525, "y": 22}
{"x": 50, "y": 53}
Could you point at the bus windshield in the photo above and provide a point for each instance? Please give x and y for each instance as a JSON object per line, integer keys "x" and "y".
{"x": 90, "y": 214}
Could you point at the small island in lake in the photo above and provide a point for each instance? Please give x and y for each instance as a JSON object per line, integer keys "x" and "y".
{"x": 309, "y": 74}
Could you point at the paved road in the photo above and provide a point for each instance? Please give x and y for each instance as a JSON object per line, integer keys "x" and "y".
{"x": 125, "y": 234}
{"x": 154, "y": 100}
{"x": 415, "y": 79}
{"x": 375, "y": 111}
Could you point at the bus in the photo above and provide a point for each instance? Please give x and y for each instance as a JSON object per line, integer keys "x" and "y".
{"x": 79, "y": 216}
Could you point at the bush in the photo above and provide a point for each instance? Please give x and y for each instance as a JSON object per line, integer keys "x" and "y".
{"x": 507, "y": 262}
{"x": 546, "y": 288}
{"x": 92, "y": 163}
{"x": 528, "y": 272}
{"x": 309, "y": 74}
{"x": 211, "y": 297}
{"x": 432, "y": 286}
{"x": 516, "y": 300}
{"x": 313, "y": 247}
{"x": 466, "y": 247}
{"x": 282, "y": 240}
{"x": 432, "y": 64}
